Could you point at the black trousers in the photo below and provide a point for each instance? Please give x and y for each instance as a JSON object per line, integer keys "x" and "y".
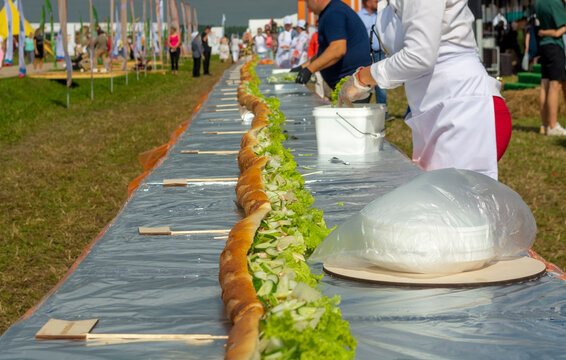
{"x": 175, "y": 59}
{"x": 206, "y": 62}
{"x": 196, "y": 66}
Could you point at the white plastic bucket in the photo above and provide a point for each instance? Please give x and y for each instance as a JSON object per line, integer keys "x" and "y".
{"x": 349, "y": 131}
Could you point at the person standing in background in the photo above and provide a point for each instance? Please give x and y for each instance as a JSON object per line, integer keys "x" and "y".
{"x": 38, "y": 45}
{"x": 29, "y": 48}
{"x": 224, "y": 49}
{"x": 100, "y": 50}
{"x": 259, "y": 44}
{"x": 283, "y": 57}
{"x": 268, "y": 41}
{"x": 552, "y": 16}
{"x": 174, "y": 50}
{"x": 235, "y": 44}
{"x": 368, "y": 14}
{"x": 198, "y": 52}
{"x": 207, "y": 51}
{"x": 300, "y": 44}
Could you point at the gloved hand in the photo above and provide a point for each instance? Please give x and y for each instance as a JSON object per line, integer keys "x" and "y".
{"x": 296, "y": 69}
{"x": 304, "y": 76}
{"x": 352, "y": 90}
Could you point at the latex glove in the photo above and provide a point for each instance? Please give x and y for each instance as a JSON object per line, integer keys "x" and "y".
{"x": 304, "y": 76}
{"x": 352, "y": 91}
{"x": 296, "y": 69}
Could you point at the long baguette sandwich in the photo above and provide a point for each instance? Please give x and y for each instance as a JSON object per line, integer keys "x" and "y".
{"x": 268, "y": 289}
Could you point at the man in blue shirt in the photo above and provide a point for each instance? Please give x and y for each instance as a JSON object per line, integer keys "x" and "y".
{"x": 343, "y": 43}
{"x": 368, "y": 14}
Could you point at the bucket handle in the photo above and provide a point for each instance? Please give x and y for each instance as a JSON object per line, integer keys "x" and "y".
{"x": 374, "y": 135}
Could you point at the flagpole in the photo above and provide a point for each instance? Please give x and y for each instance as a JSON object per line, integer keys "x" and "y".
{"x": 111, "y": 46}
{"x": 124, "y": 34}
{"x": 92, "y": 65}
{"x": 134, "y": 42}
{"x": 144, "y": 43}
{"x": 168, "y": 31}
{"x": 152, "y": 35}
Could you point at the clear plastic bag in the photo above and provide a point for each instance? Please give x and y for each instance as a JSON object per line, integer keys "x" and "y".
{"x": 443, "y": 221}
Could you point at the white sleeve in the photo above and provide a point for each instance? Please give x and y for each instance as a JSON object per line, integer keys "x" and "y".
{"x": 422, "y": 29}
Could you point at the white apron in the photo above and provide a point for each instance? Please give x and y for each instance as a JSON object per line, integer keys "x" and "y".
{"x": 452, "y": 113}
{"x": 283, "y": 56}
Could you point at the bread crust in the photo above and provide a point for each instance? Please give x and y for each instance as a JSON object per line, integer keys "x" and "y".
{"x": 238, "y": 293}
{"x": 243, "y": 340}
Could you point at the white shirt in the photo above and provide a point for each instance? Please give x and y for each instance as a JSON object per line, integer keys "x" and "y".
{"x": 284, "y": 39}
{"x": 425, "y": 25}
{"x": 260, "y": 46}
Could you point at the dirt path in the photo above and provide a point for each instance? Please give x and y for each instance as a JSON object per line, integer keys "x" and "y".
{"x": 13, "y": 71}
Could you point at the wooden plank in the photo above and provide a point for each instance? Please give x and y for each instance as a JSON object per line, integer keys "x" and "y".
{"x": 184, "y": 182}
{"x": 161, "y": 230}
{"x": 199, "y": 152}
{"x": 56, "y": 329}
{"x": 221, "y": 120}
{"x": 62, "y": 329}
{"x": 224, "y": 132}
{"x": 154, "y": 337}
{"x": 166, "y": 230}
{"x": 197, "y": 232}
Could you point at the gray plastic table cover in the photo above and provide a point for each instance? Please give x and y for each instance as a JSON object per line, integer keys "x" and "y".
{"x": 168, "y": 284}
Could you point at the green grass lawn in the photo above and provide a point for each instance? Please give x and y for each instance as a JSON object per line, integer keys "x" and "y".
{"x": 65, "y": 172}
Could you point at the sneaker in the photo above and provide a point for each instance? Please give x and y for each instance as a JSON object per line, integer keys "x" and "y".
{"x": 556, "y": 131}
{"x": 542, "y": 130}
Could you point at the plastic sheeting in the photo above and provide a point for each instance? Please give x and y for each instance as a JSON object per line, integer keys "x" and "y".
{"x": 168, "y": 284}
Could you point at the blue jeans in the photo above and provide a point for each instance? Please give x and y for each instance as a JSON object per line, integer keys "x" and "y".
{"x": 380, "y": 94}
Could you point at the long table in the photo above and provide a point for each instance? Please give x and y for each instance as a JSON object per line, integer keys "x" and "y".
{"x": 168, "y": 284}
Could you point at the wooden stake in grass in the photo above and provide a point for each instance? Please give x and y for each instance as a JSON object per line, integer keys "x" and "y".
{"x": 56, "y": 329}
{"x": 185, "y": 182}
{"x": 165, "y": 230}
{"x": 199, "y": 152}
{"x": 224, "y": 132}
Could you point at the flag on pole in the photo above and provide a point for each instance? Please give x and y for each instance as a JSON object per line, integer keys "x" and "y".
{"x": 189, "y": 22}
{"x": 111, "y": 37}
{"x": 95, "y": 14}
{"x": 223, "y": 20}
{"x": 185, "y": 27}
{"x": 63, "y": 37}
{"x": 8, "y": 60}
{"x": 174, "y": 14}
{"x": 42, "y": 19}
{"x": 52, "y": 34}
{"x": 195, "y": 28}
{"x": 117, "y": 36}
{"x": 21, "y": 41}
{"x": 92, "y": 36}
{"x": 123, "y": 26}
{"x": 134, "y": 33}
{"x": 168, "y": 27}
{"x": 159, "y": 16}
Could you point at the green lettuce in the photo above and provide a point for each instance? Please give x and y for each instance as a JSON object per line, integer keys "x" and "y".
{"x": 331, "y": 339}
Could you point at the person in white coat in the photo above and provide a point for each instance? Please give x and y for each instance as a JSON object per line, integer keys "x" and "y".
{"x": 300, "y": 44}
{"x": 458, "y": 117}
{"x": 235, "y": 44}
{"x": 283, "y": 56}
